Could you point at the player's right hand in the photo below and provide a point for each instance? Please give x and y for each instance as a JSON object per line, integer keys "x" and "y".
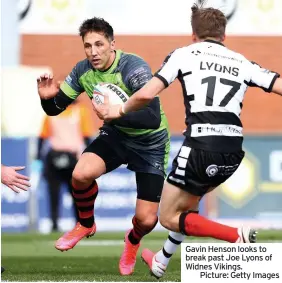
{"x": 12, "y": 179}
{"x": 47, "y": 88}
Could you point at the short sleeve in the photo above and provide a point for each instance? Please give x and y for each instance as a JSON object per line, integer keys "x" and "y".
{"x": 71, "y": 86}
{"x": 169, "y": 69}
{"x": 260, "y": 77}
{"x": 135, "y": 72}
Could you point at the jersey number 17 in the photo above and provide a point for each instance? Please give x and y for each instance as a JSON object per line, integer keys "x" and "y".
{"x": 211, "y": 81}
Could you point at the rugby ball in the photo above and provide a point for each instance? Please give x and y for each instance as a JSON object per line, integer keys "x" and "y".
{"x": 115, "y": 93}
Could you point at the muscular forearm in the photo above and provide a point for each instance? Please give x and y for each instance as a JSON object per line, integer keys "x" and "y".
{"x": 143, "y": 96}
{"x": 277, "y": 87}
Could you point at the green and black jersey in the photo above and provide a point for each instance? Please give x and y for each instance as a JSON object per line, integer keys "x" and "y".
{"x": 145, "y": 130}
{"x": 128, "y": 71}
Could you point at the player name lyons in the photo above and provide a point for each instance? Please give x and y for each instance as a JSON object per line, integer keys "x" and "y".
{"x": 222, "y": 257}
{"x": 219, "y": 68}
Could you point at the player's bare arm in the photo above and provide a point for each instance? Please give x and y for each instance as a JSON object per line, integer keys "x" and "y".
{"x": 14, "y": 180}
{"x": 141, "y": 98}
{"x": 277, "y": 87}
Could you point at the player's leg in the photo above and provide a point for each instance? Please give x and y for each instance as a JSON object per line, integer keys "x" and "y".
{"x": 150, "y": 163}
{"x": 172, "y": 216}
{"x": 174, "y": 239}
{"x": 84, "y": 189}
{"x": 180, "y": 200}
{"x": 195, "y": 173}
{"x": 97, "y": 159}
{"x": 66, "y": 175}
{"x": 69, "y": 186}
{"x": 149, "y": 190}
{"x": 149, "y": 187}
{"x": 172, "y": 204}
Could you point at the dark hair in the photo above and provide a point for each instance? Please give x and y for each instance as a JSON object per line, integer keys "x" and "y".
{"x": 97, "y": 25}
{"x": 207, "y": 22}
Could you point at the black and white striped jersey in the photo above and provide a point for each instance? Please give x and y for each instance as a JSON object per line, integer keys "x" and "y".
{"x": 214, "y": 80}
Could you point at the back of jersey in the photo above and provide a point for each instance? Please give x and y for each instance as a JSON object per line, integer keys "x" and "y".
{"x": 214, "y": 80}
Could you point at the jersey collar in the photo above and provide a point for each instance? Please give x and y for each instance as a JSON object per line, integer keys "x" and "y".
{"x": 214, "y": 41}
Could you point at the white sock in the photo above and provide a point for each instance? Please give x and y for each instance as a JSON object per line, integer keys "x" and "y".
{"x": 170, "y": 246}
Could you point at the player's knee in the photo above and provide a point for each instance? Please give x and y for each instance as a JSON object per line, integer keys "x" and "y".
{"x": 81, "y": 178}
{"x": 168, "y": 222}
{"x": 147, "y": 221}
{"x": 165, "y": 222}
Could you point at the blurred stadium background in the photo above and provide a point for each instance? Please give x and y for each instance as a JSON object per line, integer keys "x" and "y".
{"x": 42, "y": 35}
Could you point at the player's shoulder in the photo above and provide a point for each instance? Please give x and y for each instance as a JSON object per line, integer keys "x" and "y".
{"x": 237, "y": 55}
{"x": 222, "y": 51}
{"x": 131, "y": 58}
{"x": 181, "y": 51}
{"x": 82, "y": 67}
{"x": 130, "y": 62}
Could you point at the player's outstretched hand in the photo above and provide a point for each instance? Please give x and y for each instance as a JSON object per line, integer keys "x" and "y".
{"x": 14, "y": 180}
{"x": 47, "y": 88}
{"x": 106, "y": 111}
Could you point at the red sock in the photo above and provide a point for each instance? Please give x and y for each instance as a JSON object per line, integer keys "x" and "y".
{"x": 84, "y": 200}
{"x": 139, "y": 231}
{"x": 192, "y": 224}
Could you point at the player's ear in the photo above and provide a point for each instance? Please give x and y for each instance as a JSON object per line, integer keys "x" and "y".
{"x": 223, "y": 37}
{"x": 194, "y": 37}
{"x": 113, "y": 45}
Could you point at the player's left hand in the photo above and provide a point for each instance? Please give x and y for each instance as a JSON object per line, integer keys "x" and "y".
{"x": 106, "y": 111}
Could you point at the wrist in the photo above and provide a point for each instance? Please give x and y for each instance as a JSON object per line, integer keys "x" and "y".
{"x": 121, "y": 110}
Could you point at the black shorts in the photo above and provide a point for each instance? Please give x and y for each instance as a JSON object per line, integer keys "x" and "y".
{"x": 149, "y": 179}
{"x": 196, "y": 171}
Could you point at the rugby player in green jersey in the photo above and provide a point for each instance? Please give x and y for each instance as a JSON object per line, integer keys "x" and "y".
{"x": 140, "y": 139}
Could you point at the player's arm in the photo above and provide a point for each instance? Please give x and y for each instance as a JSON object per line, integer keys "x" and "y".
{"x": 57, "y": 104}
{"x": 277, "y": 86}
{"x": 56, "y": 97}
{"x": 14, "y": 180}
{"x": 162, "y": 79}
{"x": 265, "y": 79}
{"x": 148, "y": 117}
{"x": 136, "y": 73}
{"x": 143, "y": 96}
